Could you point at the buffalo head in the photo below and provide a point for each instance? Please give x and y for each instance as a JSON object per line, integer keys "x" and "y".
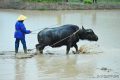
{"x": 87, "y": 34}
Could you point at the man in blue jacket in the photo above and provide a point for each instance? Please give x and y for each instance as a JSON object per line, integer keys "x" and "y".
{"x": 20, "y": 32}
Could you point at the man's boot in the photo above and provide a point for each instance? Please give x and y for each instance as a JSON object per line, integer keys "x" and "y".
{"x": 25, "y": 50}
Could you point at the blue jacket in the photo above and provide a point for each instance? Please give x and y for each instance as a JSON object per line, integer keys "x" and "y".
{"x": 20, "y": 30}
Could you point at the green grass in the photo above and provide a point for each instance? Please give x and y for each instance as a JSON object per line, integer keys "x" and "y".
{"x": 87, "y": 1}
{"x": 108, "y": 1}
{"x": 77, "y": 1}
{"x": 48, "y": 1}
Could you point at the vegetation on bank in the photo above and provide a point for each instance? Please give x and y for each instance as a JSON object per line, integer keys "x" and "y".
{"x": 44, "y": 0}
{"x": 87, "y": 1}
{"x": 60, "y": 4}
{"x": 77, "y": 1}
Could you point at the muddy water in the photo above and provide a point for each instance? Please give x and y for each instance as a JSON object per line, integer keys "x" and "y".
{"x": 102, "y": 64}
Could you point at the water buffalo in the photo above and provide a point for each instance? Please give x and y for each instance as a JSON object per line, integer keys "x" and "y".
{"x": 67, "y": 35}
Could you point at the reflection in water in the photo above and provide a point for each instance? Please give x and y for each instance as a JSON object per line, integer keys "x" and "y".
{"x": 59, "y": 20}
{"x": 26, "y": 69}
{"x": 20, "y": 69}
{"x": 63, "y": 66}
{"x": 94, "y": 18}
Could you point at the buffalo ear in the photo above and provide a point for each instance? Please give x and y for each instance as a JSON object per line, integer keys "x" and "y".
{"x": 83, "y": 28}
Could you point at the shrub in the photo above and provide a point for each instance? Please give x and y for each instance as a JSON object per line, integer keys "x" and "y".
{"x": 87, "y": 1}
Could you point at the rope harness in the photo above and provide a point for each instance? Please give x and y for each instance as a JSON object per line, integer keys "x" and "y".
{"x": 65, "y": 38}
{"x": 40, "y": 28}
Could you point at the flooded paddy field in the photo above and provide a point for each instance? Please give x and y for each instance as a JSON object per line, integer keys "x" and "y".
{"x": 100, "y": 62}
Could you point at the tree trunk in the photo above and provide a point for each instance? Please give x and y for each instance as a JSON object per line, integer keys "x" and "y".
{"x": 94, "y": 1}
{"x": 66, "y": 0}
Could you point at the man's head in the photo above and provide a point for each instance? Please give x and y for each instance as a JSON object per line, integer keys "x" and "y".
{"x": 21, "y": 18}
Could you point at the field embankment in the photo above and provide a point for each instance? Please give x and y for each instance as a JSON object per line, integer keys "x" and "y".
{"x": 16, "y": 4}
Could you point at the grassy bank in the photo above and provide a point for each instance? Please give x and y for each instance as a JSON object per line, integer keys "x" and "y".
{"x": 44, "y": 1}
{"x": 59, "y": 4}
{"x": 77, "y": 1}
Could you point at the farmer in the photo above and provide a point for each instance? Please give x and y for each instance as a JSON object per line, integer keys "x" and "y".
{"x": 20, "y": 32}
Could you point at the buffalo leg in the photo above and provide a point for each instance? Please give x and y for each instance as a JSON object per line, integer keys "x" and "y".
{"x": 39, "y": 48}
{"x": 67, "y": 50}
{"x": 76, "y": 47}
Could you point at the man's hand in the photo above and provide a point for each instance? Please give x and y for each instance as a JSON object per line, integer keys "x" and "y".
{"x": 30, "y": 31}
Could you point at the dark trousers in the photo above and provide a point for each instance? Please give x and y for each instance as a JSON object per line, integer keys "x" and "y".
{"x": 17, "y": 41}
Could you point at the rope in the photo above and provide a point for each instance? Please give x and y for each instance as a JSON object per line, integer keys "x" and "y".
{"x": 40, "y": 28}
{"x": 31, "y": 49}
{"x": 65, "y": 38}
{"x": 33, "y": 33}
